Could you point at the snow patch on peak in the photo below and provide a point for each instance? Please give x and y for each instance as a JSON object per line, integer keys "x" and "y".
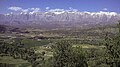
{"x": 101, "y": 13}
{"x": 57, "y": 11}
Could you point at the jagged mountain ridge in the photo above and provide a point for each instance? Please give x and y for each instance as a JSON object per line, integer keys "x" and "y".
{"x": 57, "y": 19}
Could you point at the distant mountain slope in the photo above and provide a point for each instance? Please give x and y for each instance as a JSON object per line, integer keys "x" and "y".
{"x": 8, "y": 29}
{"x": 59, "y": 19}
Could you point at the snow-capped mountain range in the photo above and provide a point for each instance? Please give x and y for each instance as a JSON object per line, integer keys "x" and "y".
{"x": 59, "y": 18}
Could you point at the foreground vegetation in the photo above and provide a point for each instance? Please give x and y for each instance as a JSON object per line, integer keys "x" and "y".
{"x": 55, "y": 49}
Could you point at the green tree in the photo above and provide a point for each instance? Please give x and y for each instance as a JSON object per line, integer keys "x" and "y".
{"x": 67, "y": 56}
{"x": 79, "y": 57}
{"x": 18, "y": 51}
{"x": 113, "y": 49}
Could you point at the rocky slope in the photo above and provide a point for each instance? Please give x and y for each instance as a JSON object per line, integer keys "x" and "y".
{"x": 59, "y": 19}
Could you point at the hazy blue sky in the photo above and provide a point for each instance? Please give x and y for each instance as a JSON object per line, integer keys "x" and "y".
{"x": 81, "y": 5}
